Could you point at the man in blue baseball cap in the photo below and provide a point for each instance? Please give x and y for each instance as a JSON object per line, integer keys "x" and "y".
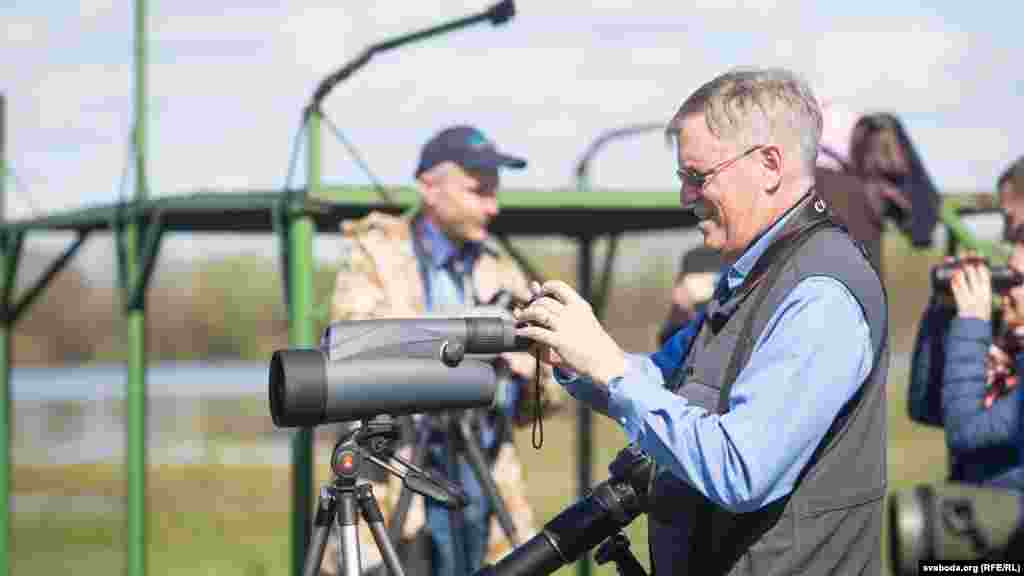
{"x": 457, "y": 176}
{"x": 441, "y": 261}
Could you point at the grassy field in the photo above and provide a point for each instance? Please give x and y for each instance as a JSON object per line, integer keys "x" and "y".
{"x": 234, "y": 520}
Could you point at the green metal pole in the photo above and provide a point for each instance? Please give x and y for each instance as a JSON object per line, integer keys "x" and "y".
{"x": 136, "y": 321}
{"x": 301, "y": 333}
{"x": 5, "y": 371}
{"x": 584, "y": 414}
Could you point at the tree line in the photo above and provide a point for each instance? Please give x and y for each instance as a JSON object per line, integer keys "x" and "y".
{"x": 231, "y": 308}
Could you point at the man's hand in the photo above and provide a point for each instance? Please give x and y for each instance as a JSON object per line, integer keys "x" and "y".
{"x": 972, "y": 290}
{"x": 521, "y": 364}
{"x": 564, "y": 322}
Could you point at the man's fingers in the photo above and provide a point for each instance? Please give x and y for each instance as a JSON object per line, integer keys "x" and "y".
{"x": 970, "y": 276}
{"x": 562, "y": 292}
{"x": 540, "y": 313}
{"x": 538, "y": 335}
{"x": 984, "y": 276}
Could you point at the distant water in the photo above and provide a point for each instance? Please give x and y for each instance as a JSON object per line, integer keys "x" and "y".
{"x": 76, "y": 414}
{"x": 165, "y": 379}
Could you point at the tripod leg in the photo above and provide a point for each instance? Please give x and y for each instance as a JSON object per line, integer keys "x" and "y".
{"x": 349, "y": 563}
{"x": 373, "y": 516}
{"x": 456, "y": 524}
{"x": 405, "y": 496}
{"x": 477, "y": 462}
{"x": 325, "y": 507}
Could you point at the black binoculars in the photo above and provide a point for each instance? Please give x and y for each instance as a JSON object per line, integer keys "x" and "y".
{"x": 1003, "y": 278}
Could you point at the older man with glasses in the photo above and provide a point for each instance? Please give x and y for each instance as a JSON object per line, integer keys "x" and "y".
{"x": 766, "y": 415}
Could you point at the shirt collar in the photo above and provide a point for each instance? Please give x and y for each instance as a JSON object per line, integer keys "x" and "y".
{"x": 734, "y": 275}
{"x": 440, "y": 250}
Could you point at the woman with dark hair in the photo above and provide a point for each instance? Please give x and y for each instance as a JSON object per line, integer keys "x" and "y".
{"x": 898, "y": 185}
{"x": 965, "y": 368}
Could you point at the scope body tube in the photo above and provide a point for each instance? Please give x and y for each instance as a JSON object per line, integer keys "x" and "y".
{"x": 308, "y": 390}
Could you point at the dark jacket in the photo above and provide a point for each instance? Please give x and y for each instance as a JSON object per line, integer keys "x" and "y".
{"x": 982, "y": 442}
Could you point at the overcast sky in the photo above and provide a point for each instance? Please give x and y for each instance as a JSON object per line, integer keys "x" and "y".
{"x": 228, "y": 79}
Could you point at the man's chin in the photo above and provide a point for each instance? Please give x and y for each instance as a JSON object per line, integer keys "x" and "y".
{"x": 477, "y": 235}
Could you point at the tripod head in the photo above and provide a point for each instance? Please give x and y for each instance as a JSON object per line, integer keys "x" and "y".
{"x": 374, "y": 440}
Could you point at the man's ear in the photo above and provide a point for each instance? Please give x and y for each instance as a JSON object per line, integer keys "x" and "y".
{"x": 771, "y": 163}
{"x": 427, "y": 186}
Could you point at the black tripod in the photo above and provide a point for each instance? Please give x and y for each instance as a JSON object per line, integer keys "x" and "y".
{"x": 373, "y": 441}
{"x": 461, "y": 430}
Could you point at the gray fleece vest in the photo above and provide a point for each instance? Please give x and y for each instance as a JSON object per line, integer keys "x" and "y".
{"x": 832, "y": 520}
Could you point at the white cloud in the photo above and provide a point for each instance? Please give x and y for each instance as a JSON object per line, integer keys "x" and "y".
{"x": 227, "y": 82}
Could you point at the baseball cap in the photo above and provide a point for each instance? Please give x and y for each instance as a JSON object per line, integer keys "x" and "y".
{"x": 467, "y": 147}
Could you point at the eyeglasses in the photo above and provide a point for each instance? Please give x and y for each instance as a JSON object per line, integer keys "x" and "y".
{"x": 696, "y": 179}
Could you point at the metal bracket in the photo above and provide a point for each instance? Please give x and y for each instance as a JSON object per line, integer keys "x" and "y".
{"x": 133, "y": 289}
{"x": 597, "y": 297}
{"x": 279, "y": 224}
{"x": 12, "y": 244}
{"x": 604, "y": 284}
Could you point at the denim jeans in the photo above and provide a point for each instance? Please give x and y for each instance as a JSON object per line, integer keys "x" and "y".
{"x": 475, "y": 521}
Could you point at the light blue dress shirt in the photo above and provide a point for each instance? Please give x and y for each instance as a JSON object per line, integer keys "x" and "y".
{"x": 810, "y": 359}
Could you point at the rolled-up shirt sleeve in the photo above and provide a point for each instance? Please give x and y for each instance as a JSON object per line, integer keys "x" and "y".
{"x": 812, "y": 356}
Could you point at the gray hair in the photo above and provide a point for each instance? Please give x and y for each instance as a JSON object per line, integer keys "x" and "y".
{"x": 754, "y": 106}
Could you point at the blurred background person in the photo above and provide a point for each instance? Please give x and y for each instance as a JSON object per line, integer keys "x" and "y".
{"x": 897, "y": 184}
{"x": 699, "y": 269}
{"x": 841, "y": 186}
{"x": 1010, "y": 195}
{"x": 966, "y": 362}
{"x": 442, "y": 261}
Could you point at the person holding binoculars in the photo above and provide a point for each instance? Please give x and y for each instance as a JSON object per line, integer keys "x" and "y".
{"x": 966, "y": 362}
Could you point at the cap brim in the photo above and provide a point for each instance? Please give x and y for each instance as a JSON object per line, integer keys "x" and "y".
{"x": 512, "y": 161}
{"x": 491, "y": 159}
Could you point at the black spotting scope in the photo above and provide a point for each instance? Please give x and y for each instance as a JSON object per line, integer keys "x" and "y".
{"x": 954, "y": 522}
{"x": 365, "y": 368}
{"x": 609, "y": 507}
